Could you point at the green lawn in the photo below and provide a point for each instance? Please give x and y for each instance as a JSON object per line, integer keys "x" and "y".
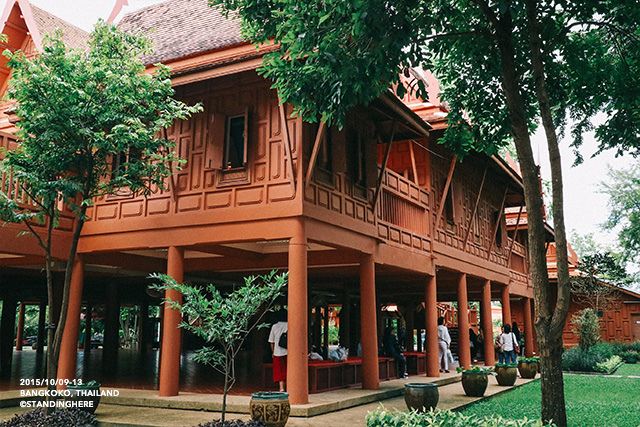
{"x": 591, "y": 401}
{"x": 628, "y": 369}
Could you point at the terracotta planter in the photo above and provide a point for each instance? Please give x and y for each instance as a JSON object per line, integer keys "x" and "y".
{"x": 528, "y": 370}
{"x": 421, "y": 396}
{"x": 89, "y": 394}
{"x": 270, "y": 407}
{"x": 474, "y": 383}
{"x": 506, "y": 376}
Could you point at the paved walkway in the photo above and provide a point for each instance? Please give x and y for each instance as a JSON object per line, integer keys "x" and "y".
{"x": 347, "y": 407}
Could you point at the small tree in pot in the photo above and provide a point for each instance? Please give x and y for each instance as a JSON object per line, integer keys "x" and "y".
{"x": 224, "y": 320}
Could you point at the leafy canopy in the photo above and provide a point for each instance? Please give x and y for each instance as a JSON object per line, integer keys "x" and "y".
{"x": 334, "y": 55}
{"x": 90, "y": 121}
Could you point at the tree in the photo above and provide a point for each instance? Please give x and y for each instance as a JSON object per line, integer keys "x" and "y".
{"x": 623, "y": 189}
{"x": 503, "y": 64}
{"x": 589, "y": 287}
{"x": 88, "y": 127}
{"x": 224, "y": 321}
{"x": 587, "y": 327}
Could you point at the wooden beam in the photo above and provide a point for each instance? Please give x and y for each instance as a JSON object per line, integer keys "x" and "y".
{"x": 475, "y": 209}
{"x": 413, "y": 163}
{"x": 515, "y": 234}
{"x": 314, "y": 153}
{"x": 288, "y": 150}
{"x": 384, "y": 165}
{"x": 172, "y": 183}
{"x": 227, "y": 251}
{"x": 495, "y": 227}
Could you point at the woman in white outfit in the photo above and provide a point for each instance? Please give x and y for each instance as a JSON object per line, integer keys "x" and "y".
{"x": 444, "y": 342}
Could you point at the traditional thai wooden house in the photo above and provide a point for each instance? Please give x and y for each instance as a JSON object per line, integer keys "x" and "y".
{"x": 375, "y": 214}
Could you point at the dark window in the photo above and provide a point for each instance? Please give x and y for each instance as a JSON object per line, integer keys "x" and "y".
{"x": 235, "y": 144}
{"x": 119, "y": 161}
{"x": 448, "y": 206}
{"x": 498, "y": 218}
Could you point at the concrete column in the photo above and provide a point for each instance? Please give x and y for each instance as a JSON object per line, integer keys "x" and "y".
{"x": 464, "y": 352}
{"x": 487, "y": 324}
{"x": 506, "y": 306}
{"x": 172, "y": 334}
{"x": 7, "y": 327}
{"x": 42, "y": 320}
{"x": 20, "y": 331}
{"x": 370, "y": 374}
{"x": 297, "y": 347}
{"x": 69, "y": 345}
{"x": 431, "y": 328}
{"x": 88, "y": 328}
{"x": 528, "y": 328}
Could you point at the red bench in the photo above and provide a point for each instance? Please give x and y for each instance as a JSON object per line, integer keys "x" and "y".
{"x": 416, "y": 363}
{"x": 327, "y": 375}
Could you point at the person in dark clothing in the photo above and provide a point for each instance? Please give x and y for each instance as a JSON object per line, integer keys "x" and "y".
{"x": 392, "y": 349}
{"x": 473, "y": 340}
{"x": 517, "y": 333}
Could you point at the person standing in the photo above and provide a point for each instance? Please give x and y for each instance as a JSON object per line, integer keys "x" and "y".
{"x": 444, "y": 342}
{"x": 518, "y": 334}
{"x": 277, "y": 339}
{"x": 509, "y": 344}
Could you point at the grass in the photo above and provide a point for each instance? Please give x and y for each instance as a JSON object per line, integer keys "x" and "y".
{"x": 628, "y": 369}
{"x": 591, "y": 401}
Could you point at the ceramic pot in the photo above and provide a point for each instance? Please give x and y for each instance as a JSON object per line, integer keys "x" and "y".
{"x": 89, "y": 394}
{"x": 528, "y": 370}
{"x": 474, "y": 383}
{"x": 506, "y": 376}
{"x": 270, "y": 407}
{"x": 421, "y": 396}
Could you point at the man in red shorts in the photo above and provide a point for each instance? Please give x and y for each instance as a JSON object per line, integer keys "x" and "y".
{"x": 279, "y": 352}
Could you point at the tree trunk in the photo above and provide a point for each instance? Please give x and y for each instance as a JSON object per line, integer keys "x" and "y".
{"x": 549, "y": 344}
{"x": 553, "y": 404}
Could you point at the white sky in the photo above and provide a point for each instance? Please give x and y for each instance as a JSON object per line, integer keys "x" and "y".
{"x": 585, "y": 208}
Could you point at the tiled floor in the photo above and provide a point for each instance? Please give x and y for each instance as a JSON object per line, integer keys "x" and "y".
{"x": 133, "y": 371}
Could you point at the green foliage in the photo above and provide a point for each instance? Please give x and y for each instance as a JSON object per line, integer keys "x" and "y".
{"x": 476, "y": 369}
{"x": 224, "y": 321}
{"x": 586, "y": 326}
{"x": 64, "y": 418}
{"x": 578, "y": 360}
{"x": 506, "y": 365}
{"x": 609, "y": 365}
{"x": 630, "y": 356}
{"x": 591, "y": 401}
{"x": 535, "y": 359}
{"x": 623, "y": 189}
{"x": 383, "y": 417}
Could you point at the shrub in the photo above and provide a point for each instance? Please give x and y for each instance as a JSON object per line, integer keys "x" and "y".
{"x": 64, "y": 418}
{"x": 576, "y": 359}
{"x": 586, "y": 327}
{"x": 609, "y": 365}
{"x": 506, "y": 365}
{"x": 630, "y": 356}
{"x": 233, "y": 423}
{"x": 382, "y": 417}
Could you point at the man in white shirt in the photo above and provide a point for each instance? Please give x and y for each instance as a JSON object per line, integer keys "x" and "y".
{"x": 279, "y": 353}
{"x": 444, "y": 342}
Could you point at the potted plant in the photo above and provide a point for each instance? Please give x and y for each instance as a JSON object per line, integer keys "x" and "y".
{"x": 506, "y": 373}
{"x": 421, "y": 396}
{"x": 88, "y": 392}
{"x": 270, "y": 407}
{"x": 475, "y": 380}
{"x": 528, "y": 367}
{"x": 630, "y": 356}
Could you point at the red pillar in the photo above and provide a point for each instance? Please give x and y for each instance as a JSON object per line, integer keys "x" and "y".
{"x": 297, "y": 347}
{"x": 506, "y": 306}
{"x": 369, "y": 339}
{"x": 172, "y": 334}
{"x": 20, "y": 331}
{"x": 487, "y": 324}
{"x": 69, "y": 345}
{"x": 464, "y": 351}
{"x": 528, "y": 328}
{"x": 431, "y": 328}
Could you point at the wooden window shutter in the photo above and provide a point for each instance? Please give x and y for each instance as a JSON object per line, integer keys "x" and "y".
{"x": 246, "y": 135}
{"x": 371, "y": 162}
{"x": 215, "y": 144}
